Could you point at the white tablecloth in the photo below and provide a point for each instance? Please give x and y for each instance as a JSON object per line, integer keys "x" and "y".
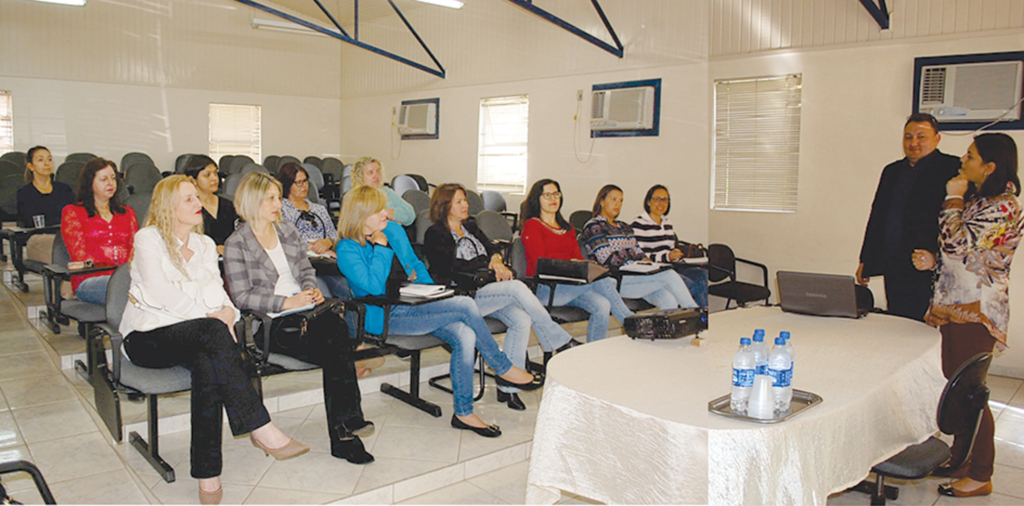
{"x": 626, "y": 421}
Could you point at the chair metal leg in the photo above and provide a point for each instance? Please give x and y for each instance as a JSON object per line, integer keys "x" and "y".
{"x": 32, "y": 470}
{"x": 412, "y": 397}
{"x": 481, "y": 372}
{"x": 878, "y": 490}
{"x": 151, "y": 450}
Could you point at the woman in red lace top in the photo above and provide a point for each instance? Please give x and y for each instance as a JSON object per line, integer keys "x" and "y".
{"x": 97, "y": 227}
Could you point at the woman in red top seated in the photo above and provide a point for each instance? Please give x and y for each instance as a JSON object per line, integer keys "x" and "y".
{"x": 97, "y": 227}
{"x": 546, "y": 234}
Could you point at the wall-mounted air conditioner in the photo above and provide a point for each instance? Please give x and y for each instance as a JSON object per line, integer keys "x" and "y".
{"x": 418, "y": 118}
{"x": 622, "y": 109}
{"x": 972, "y": 92}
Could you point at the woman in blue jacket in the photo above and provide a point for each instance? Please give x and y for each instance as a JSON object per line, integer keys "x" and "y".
{"x": 368, "y": 246}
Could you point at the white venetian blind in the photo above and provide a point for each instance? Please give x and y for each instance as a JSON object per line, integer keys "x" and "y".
{"x": 757, "y": 144}
{"x": 6, "y": 122}
{"x": 235, "y": 130}
{"x": 502, "y": 154}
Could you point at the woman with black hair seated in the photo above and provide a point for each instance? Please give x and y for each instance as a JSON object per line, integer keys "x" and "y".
{"x": 455, "y": 248}
{"x": 219, "y": 216}
{"x": 42, "y": 196}
{"x": 98, "y": 227}
{"x": 267, "y": 270}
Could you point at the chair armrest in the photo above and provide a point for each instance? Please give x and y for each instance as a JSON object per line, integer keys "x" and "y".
{"x": 56, "y": 271}
{"x": 116, "y": 343}
{"x": 764, "y": 268}
{"x": 62, "y": 271}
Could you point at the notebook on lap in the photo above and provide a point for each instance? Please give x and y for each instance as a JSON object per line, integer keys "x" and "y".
{"x": 819, "y": 294}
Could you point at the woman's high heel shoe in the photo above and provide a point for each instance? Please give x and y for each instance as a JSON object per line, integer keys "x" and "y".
{"x": 948, "y": 490}
{"x": 290, "y": 450}
{"x": 211, "y": 497}
{"x": 535, "y": 383}
{"x": 512, "y": 399}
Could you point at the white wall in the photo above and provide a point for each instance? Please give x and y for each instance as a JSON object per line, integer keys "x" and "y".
{"x": 855, "y": 100}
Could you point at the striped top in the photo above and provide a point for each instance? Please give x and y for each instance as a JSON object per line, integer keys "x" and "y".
{"x": 656, "y": 240}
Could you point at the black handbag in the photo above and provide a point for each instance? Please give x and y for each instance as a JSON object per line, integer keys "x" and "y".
{"x": 692, "y": 250}
{"x": 292, "y": 329}
{"x": 467, "y": 283}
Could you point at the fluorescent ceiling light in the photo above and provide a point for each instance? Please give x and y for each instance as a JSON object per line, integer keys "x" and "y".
{"x": 64, "y": 2}
{"x": 280, "y": 25}
{"x": 454, "y": 4}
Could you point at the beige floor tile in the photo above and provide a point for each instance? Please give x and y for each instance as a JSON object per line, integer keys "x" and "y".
{"x": 473, "y": 445}
{"x": 26, "y": 365}
{"x": 508, "y": 484}
{"x": 386, "y": 470}
{"x": 1010, "y": 428}
{"x": 575, "y": 499}
{"x": 114, "y": 487}
{"x": 404, "y": 415}
{"x": 1009, "y": 481}
{"x": 35, "y": 391}
{"x": 72, "y": 457}
{"x": 298, "y": 413}
{"x": 267, "y": 495}
{"x": 20, "y": 341}
{"x": 185, "y": 490}
{"x": 1009, "y": 453}
{"x": 53, "y": 421}
{"x": 439, "y": 445}
{"x": 10, "y": 435}
{"x": 315, "y": 472}
{"x": 459, "y": 493}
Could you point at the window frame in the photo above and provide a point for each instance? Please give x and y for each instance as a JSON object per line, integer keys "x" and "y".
{"x": 485, "y": 117}
{"x": 236, "y": 145}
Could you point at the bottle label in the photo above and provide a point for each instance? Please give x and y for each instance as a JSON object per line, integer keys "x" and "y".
{"x": 761, "y": 369}
{"x": 781, "y": 378}
{"x": 742, "y": 377}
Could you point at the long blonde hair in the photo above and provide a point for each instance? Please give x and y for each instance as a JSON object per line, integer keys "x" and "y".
{"x": 359, "y": 204}
{"x": 162, "y": 215}
{"x": 250, "y": 193}
{"x": 357, "y": 171}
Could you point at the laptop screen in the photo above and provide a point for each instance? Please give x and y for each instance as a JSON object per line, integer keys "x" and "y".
{"x": 818, "y": 294}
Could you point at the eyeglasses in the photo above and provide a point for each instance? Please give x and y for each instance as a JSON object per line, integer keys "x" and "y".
{"x": 551, "y": 196}
{"x": 301, "y": 182}
{"x": 660, "y": 200}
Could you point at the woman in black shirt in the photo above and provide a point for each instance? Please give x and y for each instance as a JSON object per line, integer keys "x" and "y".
{"x": 42, "y": 195}
{"x": 219, "y": 215}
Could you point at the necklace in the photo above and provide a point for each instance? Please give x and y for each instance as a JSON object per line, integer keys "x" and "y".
{"x": 556, "y": 230}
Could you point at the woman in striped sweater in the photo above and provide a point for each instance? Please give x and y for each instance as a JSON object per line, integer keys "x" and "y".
{"x": 654, "y": 233}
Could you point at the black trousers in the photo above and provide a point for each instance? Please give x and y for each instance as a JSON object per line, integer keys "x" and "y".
{"x": 219, "y": 380}
{"x": 327, "y": 345}
{"x": 908, "y": 292}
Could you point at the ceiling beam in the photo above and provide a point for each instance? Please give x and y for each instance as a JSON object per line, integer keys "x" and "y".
{"x": 880, "y": 12}
{"x": 616, "y": 50}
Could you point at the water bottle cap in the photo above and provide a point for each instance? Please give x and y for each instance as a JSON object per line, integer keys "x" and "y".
{"x": 784, "y": 334}
{"x": 780, "y": 341}
{"x": 758, "y": 332}
{"x": 758, "y": 338}
{"x": 744, "y": 341}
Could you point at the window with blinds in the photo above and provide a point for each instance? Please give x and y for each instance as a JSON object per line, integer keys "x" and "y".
{"x": 757, "y": 144}
{"x": 235, "y": 130}
{"x": 501, "y": 160}
{"x": 6, "y": 122}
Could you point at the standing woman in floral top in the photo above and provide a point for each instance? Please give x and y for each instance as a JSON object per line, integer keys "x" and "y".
{"x": 980, "y": 227}
{"x": 98, "y": 227}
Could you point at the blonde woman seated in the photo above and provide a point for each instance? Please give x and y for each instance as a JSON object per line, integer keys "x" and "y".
{"x": 368, "y": 247}
{"x": 455, "y": 247}
{"x": 267, "y": 270}
{"x": 179, "y": 314}
{"x": 368, "y": 171}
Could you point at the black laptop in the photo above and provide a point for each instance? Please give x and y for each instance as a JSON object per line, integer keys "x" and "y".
{"x": 820, "y": 294}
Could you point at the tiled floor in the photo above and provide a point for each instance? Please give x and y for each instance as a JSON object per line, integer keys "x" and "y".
{"x": 46, "y": 416}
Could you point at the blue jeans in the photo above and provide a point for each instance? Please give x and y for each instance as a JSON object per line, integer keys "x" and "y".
{"x": 664, "y": 289}
{"x": 696, "y": 279}
{"x": 597, "y": 298}
{"x": 336, "y": 286}
{"x": 93, "y": 290}
{"x": 518, "y": 308}
{"x": 456, "y": 321}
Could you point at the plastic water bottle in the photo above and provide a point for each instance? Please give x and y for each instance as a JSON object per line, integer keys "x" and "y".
{"x": 760, "y": 352}
{"x": 789, "y": 346}
{"x": 742, "y": 377}
{"x": 780, "y": 367}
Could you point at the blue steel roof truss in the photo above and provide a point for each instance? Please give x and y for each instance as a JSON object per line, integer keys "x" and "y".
{"x": 343, "y": 36}
{"x": 880, "y": 12}
{"x": 616, "y": 50}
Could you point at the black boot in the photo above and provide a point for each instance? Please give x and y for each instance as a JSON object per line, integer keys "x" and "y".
{"x": 351, "y": 450}
{"x": 512, "y": 399}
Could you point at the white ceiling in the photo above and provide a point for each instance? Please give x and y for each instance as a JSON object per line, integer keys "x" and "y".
{"x": 342, "y": 10}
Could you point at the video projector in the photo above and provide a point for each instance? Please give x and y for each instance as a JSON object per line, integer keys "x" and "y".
{"x": 666, "y": 324}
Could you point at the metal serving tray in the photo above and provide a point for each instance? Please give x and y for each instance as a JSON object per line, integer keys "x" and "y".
{"x": 801, "y": 401}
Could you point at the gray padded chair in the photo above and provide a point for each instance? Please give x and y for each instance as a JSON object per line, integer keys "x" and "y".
{"x": 12, "y": 169}
{"x": 16, "y": 157}
{"x": 130, "y": 159}
{"x": 231, "y": 184}
{"x": 79, "y": 157}
{"x": 142, "y": 177}
{"x": 316, "y": 177}
{"x": 313, "y": 160}
{"x": 139, "y": 202}
{"x": 332, "y": 166}
{"x": 237, "y": 163}
{"x": 288, "y": 158}
{"x": 252, "y": 167}
{"x": 418, "y": 199}
{"x": 476, "y": 204}
{"x": 272, "y": 163}
{"x": 181, "y": 161}
{"x": 125, "y": 377}
{"x": 421, "y": 225}
{"x": 9, "y": 185}
{"x": 403, "y": 183}
{"x": 579, "y": 218}
{"x": 493, "y": 201}
{"x": 225, "y": 164}
{"x": 59, "y": 311}
{"x": 68, "y": 173}
{"x": 497, "y": 229}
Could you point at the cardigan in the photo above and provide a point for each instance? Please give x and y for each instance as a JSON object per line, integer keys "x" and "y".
{"x": 165, "y": 295}
{"x": 439, "y": 248}
{"x": 251, "y": 274}
{"x": 657, "y": 240}
{"x": 96, "y": 239}
{"x": 540, "y": 241}
{"x": 610, "y": 243}
{"x": 977, "y": 242}
{"x": 404, "y": 213}
{"x": 366, "y": 267}
{"x": 32, "y": 202}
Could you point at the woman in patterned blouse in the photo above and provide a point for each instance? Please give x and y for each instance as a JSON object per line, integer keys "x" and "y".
{"x": 980, "y": 228}
{"x": 98, "y": 227}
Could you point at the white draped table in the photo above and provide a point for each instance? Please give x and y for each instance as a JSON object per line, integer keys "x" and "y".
{"x": 626, "y": 421}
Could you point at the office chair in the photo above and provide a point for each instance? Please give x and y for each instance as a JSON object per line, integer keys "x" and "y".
{"x": 272, "y": 163}
{"x": 476, "y": 204}
{"x": 142, "y": 177}
{"x": 579, "y": 218}
{"x": 58, "y": 309}
{"x": 418, "y": 199}
{"x": 403, "y": 183}
{"x": 18, "y": 158}
{"x": 722, "y": 277}
{"x": 79, "y": 157}
{"x": 139, "y": 202}
{"x": 130, "y": 159}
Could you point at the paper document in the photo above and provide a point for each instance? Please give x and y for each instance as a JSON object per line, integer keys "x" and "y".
{"x": 641, "y": 267}
{"x": 417, "y": 290}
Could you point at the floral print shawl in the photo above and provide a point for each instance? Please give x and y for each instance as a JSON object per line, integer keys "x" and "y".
{"x": 976, "y": 242}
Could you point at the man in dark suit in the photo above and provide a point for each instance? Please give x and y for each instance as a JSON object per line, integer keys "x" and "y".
{"x": 905, "y": 217}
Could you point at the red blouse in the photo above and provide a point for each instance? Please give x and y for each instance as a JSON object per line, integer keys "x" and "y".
{"x": 540, "y": 241}
{"x": 96, "y": 239}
